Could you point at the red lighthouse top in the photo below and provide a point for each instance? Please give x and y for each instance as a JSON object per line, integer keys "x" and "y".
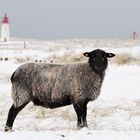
{"x": 5, "y": 19}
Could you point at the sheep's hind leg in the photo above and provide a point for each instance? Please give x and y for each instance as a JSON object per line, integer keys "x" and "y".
{"x": 12, "y": 115}
{"x": 81, "y": 111}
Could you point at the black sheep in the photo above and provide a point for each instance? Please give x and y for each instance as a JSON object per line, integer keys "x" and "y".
{"x": 53, "y": 85}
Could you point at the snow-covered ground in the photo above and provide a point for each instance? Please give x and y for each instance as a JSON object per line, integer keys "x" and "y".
{"x": 114, "y": 115}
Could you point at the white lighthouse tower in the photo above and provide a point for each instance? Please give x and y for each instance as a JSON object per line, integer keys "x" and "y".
{"x": 5, "y": 33}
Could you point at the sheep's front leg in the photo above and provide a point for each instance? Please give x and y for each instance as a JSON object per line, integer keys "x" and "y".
{"x": 81, "y": 111}
{"x": 84, "y": 115}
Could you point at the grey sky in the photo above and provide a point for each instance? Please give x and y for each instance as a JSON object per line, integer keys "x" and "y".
{"x": 62, "y": 19}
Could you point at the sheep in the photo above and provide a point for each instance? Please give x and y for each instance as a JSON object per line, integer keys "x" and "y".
{"x": 55, "y": 85}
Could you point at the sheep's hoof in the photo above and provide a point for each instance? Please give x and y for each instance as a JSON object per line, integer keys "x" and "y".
{"x": 7, "y": 128}
{"x": 80, "y": 126}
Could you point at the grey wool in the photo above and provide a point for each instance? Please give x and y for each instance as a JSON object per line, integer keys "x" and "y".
{"x": 55, "y": 84}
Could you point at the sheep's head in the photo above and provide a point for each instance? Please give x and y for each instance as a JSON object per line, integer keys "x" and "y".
{"x": 98, "y": 59}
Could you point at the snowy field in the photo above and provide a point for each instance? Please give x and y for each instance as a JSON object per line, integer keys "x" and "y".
{"x": 115, "y": 114}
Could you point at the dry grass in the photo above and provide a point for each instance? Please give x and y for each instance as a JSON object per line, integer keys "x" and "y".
{"x": 67, "y": 58}
{"x": 22, "y": 59}
{"x": 71, "y": 57}
{"x": 119, "y": 59}
{"x": 124, "y": 59}
{"x": 103, "y": 112}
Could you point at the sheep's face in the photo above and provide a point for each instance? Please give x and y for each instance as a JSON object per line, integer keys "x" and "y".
{"x": 98, "y": 59}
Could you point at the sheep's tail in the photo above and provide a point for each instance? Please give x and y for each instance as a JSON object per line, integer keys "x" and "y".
{"x": 12, "y": 77}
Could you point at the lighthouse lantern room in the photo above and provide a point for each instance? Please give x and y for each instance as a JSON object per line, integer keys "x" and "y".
{"x": 5, "y": 33}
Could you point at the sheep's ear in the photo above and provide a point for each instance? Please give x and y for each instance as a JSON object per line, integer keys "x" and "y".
{"x": 109, "y": 55}
{"x": 87, "y": 54}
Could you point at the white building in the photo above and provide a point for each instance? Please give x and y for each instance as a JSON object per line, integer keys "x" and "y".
{"x": 5, "y": 32}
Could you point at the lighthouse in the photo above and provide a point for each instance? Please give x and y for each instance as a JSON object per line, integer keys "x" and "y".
{"x": 5, "y": 33}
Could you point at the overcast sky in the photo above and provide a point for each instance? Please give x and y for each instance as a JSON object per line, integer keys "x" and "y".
{"x": 63, "y": 19}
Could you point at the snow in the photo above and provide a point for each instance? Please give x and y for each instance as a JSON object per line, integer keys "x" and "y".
{"x": 124, "y": 80}
{"x": 115, "y": 114}
{"x": 82, "y": 135}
